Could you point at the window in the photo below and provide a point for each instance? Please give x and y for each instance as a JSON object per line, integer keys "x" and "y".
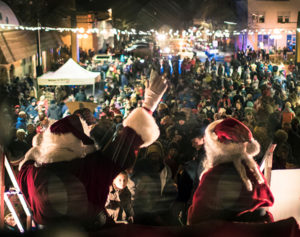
{"x": 6, "y": 19}
{"x": 265, "y": 40}
{"x": 258, "y": 17}
{"x": 283, "y": 17}
{"x": 291, "y": 41}
{"x": 0, "y": 16}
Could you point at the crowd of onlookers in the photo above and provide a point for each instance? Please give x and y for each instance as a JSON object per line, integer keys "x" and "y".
{"x": 158, "y": 189}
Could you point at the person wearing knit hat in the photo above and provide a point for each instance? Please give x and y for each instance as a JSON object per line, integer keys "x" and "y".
{"x": 249, "y": 108}
{"x": 21, "y": 120}
{"x": 188, "y": 178}
{"x": 287, "y": 114}
{"x": 64, "y": 170}
{"x": 231, "y": 187}
{"x": 155, "y": 148}
{"x": 118, "y": 118}
{"x": 155, "y": 188}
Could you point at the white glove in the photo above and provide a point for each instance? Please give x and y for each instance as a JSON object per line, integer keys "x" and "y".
{"x": 154, "y": 91}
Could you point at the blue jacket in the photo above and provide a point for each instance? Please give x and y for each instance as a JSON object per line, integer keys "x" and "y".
{"x": 31, "y": 111}
{"x": 21, "y": 123}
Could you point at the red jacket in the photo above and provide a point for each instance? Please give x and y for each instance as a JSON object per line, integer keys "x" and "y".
{"x": 76, "y": 189}
{"x": 222, "y": 195}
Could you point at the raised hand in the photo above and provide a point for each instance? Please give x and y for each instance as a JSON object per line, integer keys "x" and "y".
{"x": 155, "y": 89}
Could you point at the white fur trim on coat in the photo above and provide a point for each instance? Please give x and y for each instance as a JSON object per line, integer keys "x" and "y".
{"x": 61, "y": 147}
{"x": 143, "y": 124}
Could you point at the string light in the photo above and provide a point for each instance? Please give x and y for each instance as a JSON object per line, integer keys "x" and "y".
{"x": 190, "y": 33}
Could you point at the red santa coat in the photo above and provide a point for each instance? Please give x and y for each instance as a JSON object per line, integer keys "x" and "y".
{"x": 221, "y": 194}
{"x": 77, "y": 189}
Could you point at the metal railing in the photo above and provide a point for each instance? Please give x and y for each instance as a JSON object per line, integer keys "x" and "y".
{"x": 5, "y": 200}
{"x": 267, "y": 162}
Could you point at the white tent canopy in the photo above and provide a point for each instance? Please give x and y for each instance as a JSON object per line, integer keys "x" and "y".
{"x": 70, "y": 73}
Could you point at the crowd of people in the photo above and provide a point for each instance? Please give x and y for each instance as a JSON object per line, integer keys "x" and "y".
{"x": 158, "y": 188}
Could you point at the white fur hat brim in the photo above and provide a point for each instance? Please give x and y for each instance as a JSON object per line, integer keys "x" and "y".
{"x": 49, "y": 147}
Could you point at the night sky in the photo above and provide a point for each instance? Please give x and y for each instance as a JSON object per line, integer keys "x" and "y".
{"x": 145, "y": 14}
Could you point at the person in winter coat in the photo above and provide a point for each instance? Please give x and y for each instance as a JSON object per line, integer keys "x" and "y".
{"x": 227, "y": 68}
{"x": 207, "y": 65}
{"x": 283, "y": 151}
{"x": 31, "y": 132}
{"x": 188, "y": 177}
{"x": 231, "y": 187}
{"x": 18, "y": 147}
{"x": 54, "y": 111}
{"x": 220, "y": 70}
{"x": 65, "y": 178}
{"x": 287, "y": 114}
{"x": 224, "y": 102}
{"x": 80, "y": 96}
{"x": 293, "y": 141}
{"x": 32, "y": 110}
{"x": 119, "y": 201}
{"x": 155, "y": 190}
{"x": 21, "y": 121}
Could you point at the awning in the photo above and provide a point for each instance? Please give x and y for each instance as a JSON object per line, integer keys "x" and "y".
{"x": 71, "y": 73}
{"x": 16, "y": 45}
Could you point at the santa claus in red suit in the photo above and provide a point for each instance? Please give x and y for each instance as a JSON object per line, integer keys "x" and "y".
{"x": 231, "y": 187}
{"x": 65, "y": 177}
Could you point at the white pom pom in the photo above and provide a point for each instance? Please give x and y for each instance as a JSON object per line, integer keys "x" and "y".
{"x": 253, "y": 148}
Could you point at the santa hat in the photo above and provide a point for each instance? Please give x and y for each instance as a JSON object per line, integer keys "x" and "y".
{"x": 232, "y": 130}
{"x": 228, "y": 134}
{"x": 229, "y": 140}
{"x": 72, "y": 124}
{"x": 64, "y": 140}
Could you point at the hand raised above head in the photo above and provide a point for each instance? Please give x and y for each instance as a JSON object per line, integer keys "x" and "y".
{"x": 157, "y": 83}
{"x": 155, "y": 89}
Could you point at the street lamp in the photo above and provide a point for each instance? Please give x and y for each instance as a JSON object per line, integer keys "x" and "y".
{"x": 39, "y": 69}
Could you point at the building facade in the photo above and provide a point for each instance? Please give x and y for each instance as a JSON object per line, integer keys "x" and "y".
{"x": 88, "y": 40}
{"x": 18, "y": 48}
{"x": 272, "y": 24}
